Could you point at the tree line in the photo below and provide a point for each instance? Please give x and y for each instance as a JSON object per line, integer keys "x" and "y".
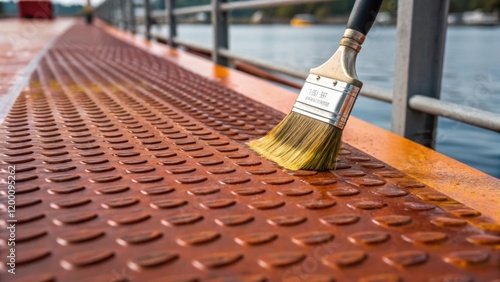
{"x": 322, "y": 10}
{"x": 343, "y": 7}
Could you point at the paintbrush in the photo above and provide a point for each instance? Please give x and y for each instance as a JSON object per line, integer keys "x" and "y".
{"x": 309, "y": 137}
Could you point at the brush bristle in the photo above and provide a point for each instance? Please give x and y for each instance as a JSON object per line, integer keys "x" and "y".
{"x": 300, "y": 142}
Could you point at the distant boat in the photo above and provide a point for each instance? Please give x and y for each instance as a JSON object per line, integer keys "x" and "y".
{"x": 479, "y": 17}
{"x": 302, "y": 20}
{"x": 383, "y": 18}
{"x": 257, "y": 17}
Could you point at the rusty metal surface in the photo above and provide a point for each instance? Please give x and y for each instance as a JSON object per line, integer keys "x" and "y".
{"x": 129, "y": 168}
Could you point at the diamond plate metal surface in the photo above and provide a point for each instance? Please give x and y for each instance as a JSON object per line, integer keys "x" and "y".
{"x": 130, "y": 168}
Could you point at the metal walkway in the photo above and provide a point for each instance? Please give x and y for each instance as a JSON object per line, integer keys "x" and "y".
{"x": 131, "y": 168}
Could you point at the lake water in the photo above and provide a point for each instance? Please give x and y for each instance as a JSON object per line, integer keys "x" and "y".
{"x": 471, "y": 74}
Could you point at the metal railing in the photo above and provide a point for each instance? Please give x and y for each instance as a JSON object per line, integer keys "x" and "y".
{"x": 419, "y": 57}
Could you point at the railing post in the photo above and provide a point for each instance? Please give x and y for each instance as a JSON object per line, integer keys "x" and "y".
{"x": 112, "y": 9}
{"x": 421, "y": 33}
{"x": 123, "y": 14}
{"x": 147, "y": 18}
{"x": 220, "y": 32}
{"x": 110, "y": 12}
{"x": 105, "y": 11}
{"x": 172, "y": 22}
{"x": 116, "y": 13}
{"x": 131, "y": 15}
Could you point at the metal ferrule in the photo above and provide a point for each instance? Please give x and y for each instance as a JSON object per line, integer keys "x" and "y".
{"x": 326, "y": 100}
{"x": 354, "y": 35}
{"x": 352, "y": 39}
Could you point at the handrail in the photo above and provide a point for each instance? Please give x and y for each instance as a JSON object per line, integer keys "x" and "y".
{"x": 290, "y": 71}
{"x": 255, "y": 4}
{"x": 192, "y": 10}
{"x": 414, "y": 103}
{"x": 469, "y": 115}
{"x": 265, "y": 4}
{"x": 367, "y": 91}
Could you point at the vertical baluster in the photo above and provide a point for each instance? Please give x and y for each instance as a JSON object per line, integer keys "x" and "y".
{"x": 131, "y": 12}
{"x": 147, "y": 18}
{"x": 220, "y": 32}
{"x": 421, "y": 37}
{"x": 172, "y": 22}
{"x": 123, "y": 14}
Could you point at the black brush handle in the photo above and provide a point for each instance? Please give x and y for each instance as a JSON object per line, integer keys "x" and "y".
{"x": 363, "y": 15}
